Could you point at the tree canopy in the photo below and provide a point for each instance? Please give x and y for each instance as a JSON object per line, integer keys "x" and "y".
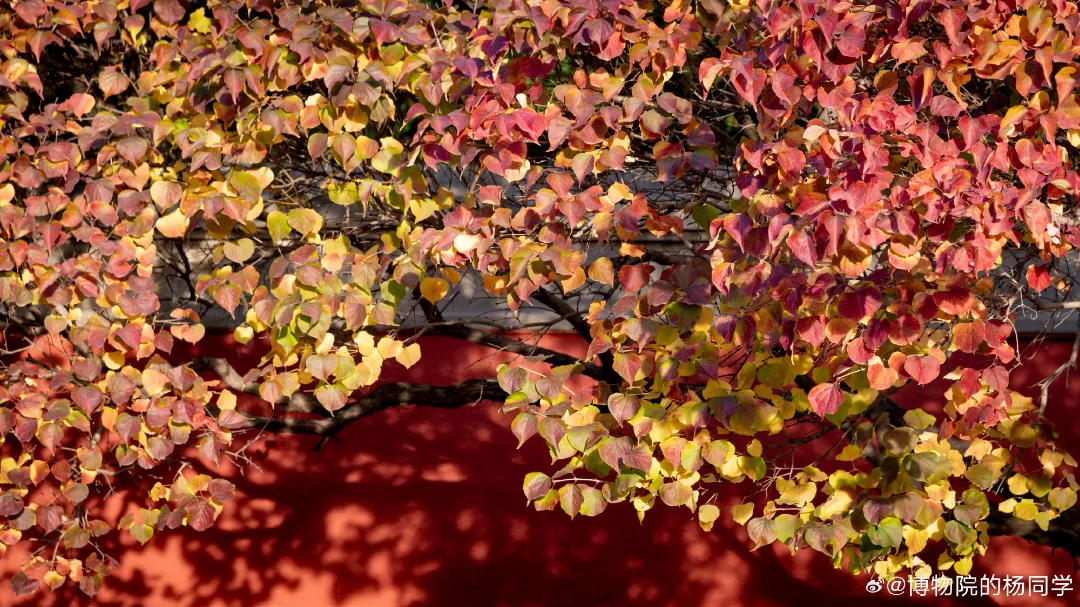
{"x": 765, "y": 218}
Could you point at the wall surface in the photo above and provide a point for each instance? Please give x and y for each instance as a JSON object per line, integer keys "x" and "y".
{"x": 424, "y": 507}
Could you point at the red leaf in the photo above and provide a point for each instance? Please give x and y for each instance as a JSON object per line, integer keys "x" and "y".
{"x": 641, "y": 330}
{"x": 80, "y": 104}
{"x": 322, "y": 365}
{"x": 22, "y": 584}
{"x": 560, "y": 182}
{"x": 881, "y": 377}
{"x": 924, "y": 369}
{"x": 877, "y": 509}
{"x": 627, "y": 365}
{"x": 331, "y": 397}
{"x": 531, "y": 123}
{"x": 1038, "y": 277}
{"x": 969, "y": 335}
{"x": 623, "y": 406}
{"x": 812, "y": 329}
{"x": 709, "y": 69}
{"x": 536, "y": 485}
{"x": 803, "y": 247}
{"x": 558, "y": 129}
{"x": 825, "y": 399}
{"x": 524, "y": 426}
{"x": 954, "y": 301}
{"x": 132, "y": 148}
{"x": 633, "y": 278}
{"x": 200, "y": 515}
{"x": 228, "y": 297}
{"x": 859, "y": 305}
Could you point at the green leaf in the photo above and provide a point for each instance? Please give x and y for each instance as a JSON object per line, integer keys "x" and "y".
{"x": 753, "y": 467}
{"x": 917, "y": 418}
{"x": 246, "y": 185}
{"x": 704, "y": 214}
{"x": 887, "y": 534}
{"x": 141, "y": 533}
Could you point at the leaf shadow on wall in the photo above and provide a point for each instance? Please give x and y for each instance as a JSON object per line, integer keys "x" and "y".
{"x": 424, "y": 507}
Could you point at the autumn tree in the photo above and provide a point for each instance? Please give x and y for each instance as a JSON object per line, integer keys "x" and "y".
{"x": 764, "y": 217}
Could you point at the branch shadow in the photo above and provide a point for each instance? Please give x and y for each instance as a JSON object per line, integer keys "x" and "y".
{"x": 423, "y": 507}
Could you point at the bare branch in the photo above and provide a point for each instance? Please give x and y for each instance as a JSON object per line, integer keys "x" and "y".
{"x": 1044, "y": 385}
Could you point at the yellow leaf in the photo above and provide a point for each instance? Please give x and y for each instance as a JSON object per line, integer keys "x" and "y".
{"x": 166, "y": 193}
{"x": 754, "y": 448}
{"x": 306, "y": 221}
{"x": 742, "y": 513}
{"x": 114, "y": 360}
{"x": 409, "y": 355}
{"x": 1074, "y": 137}
{"x": 239, "y": 251}
{"x": 54, "y": 580}
{"x": 917, "y": 418}
{"x": 154, "y": 381}
{"x": 451, "y": 275}
{"x": 365, "y": 343}
{"x": 603, "y": 271}
{"x": 1026, "y": 510}
{"x": 389, "y": 347}
{"x": 434, "y": 289}
{"x": 226, "y": 400}
{"x": 173, "y": 225}
{"x": 707, "y": 515}
{"x": 278, "y": 225}
{"x": 243, "y": 334}
{"x": 1018, "y": 484}
{"x": 849, "y": 453}
{"x": 575, "y": 281}
{"x": 915, "y": 539}
{"x": 108, "y": 417}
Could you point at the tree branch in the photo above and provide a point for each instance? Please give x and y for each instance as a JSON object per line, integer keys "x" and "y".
{"x": 1063, "y": 532}
{"x": 514, "y": 346}
{"x": 299, "y": 402}
{"x": 1044, "y": 384}
{"x": 569, "y": 313}
{"x": 384, "y": 397}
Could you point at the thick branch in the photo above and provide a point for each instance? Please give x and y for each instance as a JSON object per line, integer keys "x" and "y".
{"x": 560, "y": 306}
{"x": 514, "y": 346}
{"x": 1055, "y": 305}
{"x": 384, "y": 397}
{"x": 299, "y": 402}
{"x": 1063, "y": 532}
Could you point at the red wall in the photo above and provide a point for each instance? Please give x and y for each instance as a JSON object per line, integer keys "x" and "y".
{"x": 424, "y": 507}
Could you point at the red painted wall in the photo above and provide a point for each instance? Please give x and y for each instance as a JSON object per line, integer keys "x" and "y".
{"x": 424, "y": 507}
